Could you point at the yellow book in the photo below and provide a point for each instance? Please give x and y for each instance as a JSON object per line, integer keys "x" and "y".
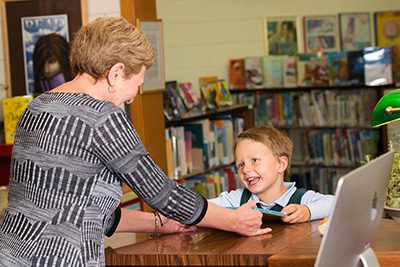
{"x": 168, "y": 148}
{"x": 12, "y": 110}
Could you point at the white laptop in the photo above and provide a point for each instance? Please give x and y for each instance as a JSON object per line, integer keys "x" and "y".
{"x": 355, "y": 216}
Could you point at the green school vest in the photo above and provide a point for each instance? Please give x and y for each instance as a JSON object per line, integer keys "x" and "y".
{"x": 294, "y": 199}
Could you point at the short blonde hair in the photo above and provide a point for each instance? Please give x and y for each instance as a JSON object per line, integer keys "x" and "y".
{"x": 99, "y": 45}
{"x": 278, "y": 142}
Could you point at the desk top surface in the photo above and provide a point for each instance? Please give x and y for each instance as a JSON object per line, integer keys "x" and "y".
{"x": 286, "y": 245}
{"x": 206, "y": 247}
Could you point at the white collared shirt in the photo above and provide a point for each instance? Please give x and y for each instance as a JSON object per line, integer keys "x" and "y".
{"x": 319, "y": 204}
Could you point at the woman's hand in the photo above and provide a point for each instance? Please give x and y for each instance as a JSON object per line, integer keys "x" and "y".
{"x": 248, "y": 221}
{"x": 171, "y": 226}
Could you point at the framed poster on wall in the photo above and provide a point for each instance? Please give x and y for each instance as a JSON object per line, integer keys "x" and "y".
{"x": 32, "y": 29}
{"x": 12, "y": 14}
{"x": 281, "y": 35}
{"x": 154, "y": 77}
{"x": 320, "y": 33}
{"x": 387, "y": 28}
{"x": 355, "y": 31}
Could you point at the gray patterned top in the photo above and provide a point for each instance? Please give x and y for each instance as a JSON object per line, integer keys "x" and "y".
{"x": 71, "y": 154}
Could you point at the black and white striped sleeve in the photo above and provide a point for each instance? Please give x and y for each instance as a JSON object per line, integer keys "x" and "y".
{"x": 118, "y": 145}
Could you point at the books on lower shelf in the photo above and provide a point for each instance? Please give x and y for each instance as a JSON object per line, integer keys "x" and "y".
{"x": 322, "y": 108}
{"x": 323, "y": 180}
{"x": 338, "y": 147}
{"x": 201, "y": 145}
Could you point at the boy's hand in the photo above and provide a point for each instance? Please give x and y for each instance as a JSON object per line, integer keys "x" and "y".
{"x": 248, "y": 221}
{"x": 296, "y": 213}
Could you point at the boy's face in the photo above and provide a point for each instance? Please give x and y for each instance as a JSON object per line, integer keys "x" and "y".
{"x": 259, "y": 170}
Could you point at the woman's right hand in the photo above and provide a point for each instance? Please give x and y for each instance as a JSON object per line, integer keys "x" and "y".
{"x": 247, "y": 221}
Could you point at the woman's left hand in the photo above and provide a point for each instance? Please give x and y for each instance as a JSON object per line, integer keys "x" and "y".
{"x": 171, "y": 226}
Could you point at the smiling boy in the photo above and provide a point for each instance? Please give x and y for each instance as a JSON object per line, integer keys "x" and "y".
{"x": 263, "y": 157}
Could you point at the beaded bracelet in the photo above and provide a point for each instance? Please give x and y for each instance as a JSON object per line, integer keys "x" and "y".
{"x": 157, "y": 223}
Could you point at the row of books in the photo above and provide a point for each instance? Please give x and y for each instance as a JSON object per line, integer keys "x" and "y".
{"x": 182, "y": 97}
{"x": 322, "y": 180}
{"x": 322, "y": 108}
{"x": 211, "y": 184}
{"x": 337, "y": 147}
{"x": 371, "y": 66}
{"x": 201, "y": 145}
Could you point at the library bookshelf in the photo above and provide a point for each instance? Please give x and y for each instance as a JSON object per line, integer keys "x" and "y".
{"x": 329, "y": 126}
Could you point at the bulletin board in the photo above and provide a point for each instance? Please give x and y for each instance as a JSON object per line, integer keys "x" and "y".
{"x": 12, "y": 12}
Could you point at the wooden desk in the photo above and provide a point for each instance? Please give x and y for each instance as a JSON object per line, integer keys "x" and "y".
{"x": 207, "y": 247}
{"x": 288, "y": 245}
{"x": 304, "y": 253}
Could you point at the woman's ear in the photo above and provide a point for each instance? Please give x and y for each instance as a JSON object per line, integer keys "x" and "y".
{"x": 283, "y": 163}
{"x": 116, "y": 72}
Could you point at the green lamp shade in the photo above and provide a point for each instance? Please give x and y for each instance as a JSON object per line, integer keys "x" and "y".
{"x": 380, "y": 116}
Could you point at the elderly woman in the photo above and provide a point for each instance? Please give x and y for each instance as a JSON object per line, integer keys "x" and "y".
{"x": 73, "y": 148}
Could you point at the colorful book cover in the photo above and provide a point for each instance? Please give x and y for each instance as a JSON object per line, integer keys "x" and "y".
{"x": 171, "y": 110}
{"x": 254, "y": 73}
{"x": 237, "y": 76}
{"x": 272, "y": 71}
{"x": 13, "y": 107}
{"x": 319, "y": 72}
{"x": 199, "y": 141}
{"x": 223, "y": 97}
{"x": 338, "y": 68}
{"x": 189, "y": 95}
{"x": 289, "y": 72}
{"x": 174, "y": 101}
{"x": 207, "y": 85}
{"x": 185, "y": 95}
{"x": 169, "y": 153}
{"x": 377, "y": 67}
{"x": 304, "y": 69}
{"x": 355, "y": 61}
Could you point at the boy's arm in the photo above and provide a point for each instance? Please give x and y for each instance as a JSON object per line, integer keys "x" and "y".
{"x": 318, "y": 204}
{"x": 313, "y": 206}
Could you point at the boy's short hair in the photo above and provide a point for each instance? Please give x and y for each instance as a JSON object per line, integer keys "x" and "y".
{"x": 277, "y": 141}
{"x": 102, "y": 43}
